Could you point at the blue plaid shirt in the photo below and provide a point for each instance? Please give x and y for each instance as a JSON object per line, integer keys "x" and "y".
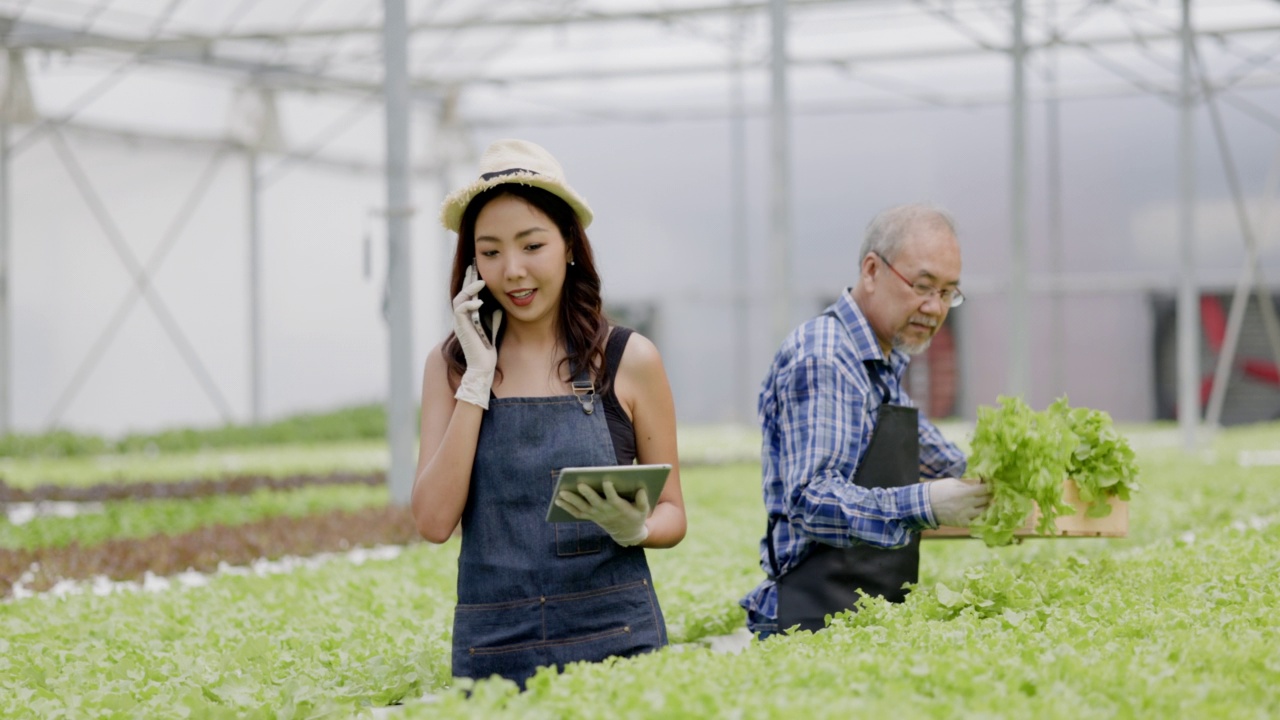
{"x": 818, "y": 407}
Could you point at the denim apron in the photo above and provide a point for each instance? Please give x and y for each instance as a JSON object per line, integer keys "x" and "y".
{"x": 533, "y": 593}
{"x": 828, "y": 579}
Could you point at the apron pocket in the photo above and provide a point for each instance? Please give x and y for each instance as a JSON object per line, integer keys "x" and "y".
{"x": 491, "y": 624}
{"x": 520, "y": 662}
{"x": 514, "y": 639}
{"x": 579, "y": 538}
{"x": 594, "y": 612}
{"x": 504, "y": 649}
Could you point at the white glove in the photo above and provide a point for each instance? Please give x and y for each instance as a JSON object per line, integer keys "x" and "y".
{"x": 481, "y": 356}
{"x": 957, "y": 502}
{"x": 622, "y": 520}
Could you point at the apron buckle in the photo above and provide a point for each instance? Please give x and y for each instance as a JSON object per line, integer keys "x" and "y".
{"x": 586, "y": 392}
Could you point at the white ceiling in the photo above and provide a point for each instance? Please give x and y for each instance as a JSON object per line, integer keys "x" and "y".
{"x": 172, "y": 67}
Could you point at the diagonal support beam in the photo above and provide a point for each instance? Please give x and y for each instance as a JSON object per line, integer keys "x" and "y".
{"x": 142, "y": 285}
{"x": 358, "y": 110}
{"x": 100, "y": 88}
{"x": 970, "y": 33}
{"x": 1240, "y": 299}
{"x": 1239, "y": 303}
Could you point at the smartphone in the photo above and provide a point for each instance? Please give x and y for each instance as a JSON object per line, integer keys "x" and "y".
{"x": 472, "y": 275}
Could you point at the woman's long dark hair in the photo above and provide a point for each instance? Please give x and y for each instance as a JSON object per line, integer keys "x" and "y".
{"x": 581, "y": 323}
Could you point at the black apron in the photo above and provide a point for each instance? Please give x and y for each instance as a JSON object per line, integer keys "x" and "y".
{"x": 827, "y": 580}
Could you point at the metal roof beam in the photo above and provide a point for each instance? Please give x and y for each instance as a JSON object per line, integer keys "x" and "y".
{"x": 305, "y": 156}
{"x": 968, "y": 101}
{"x": 68, "y": 39}
{"x": 198, "y": 52}
{"x": 35, "y": 35}
{"x": 841, "y": 62}
{"x": 199, "y": 55}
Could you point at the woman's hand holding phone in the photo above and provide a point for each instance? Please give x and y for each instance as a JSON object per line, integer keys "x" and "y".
{"x": 470, "y": 278}
{"x": 477, "y": 349}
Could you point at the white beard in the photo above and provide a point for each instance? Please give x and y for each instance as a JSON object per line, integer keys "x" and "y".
{"x": 900, "y": 344}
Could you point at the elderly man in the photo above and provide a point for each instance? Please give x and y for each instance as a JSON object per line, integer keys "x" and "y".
{"x": 844, "y": 449}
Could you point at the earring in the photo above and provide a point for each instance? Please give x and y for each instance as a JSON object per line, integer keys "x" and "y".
{"x": 570, "y": 262}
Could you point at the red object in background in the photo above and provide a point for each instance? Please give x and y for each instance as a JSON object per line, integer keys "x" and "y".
{"x": 941, "y": 358}
{"x": 1262, "y": 371}
{"x": 1213, "y": 320}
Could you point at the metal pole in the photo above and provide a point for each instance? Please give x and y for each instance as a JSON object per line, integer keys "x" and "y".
{"x": 6, "y": 225}
{"x": 255, "y": 290}
{"x": 400, "y": 398}
{"x": 741, "y": 403}
{"x": 781, "y": 173}
{"x": 1019, "y": 342}
{"x": 1188, "y": 301}
{"x": 1053, "y": 189}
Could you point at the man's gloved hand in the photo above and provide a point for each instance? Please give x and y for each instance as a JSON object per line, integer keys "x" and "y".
{"x": 957, "y": 502}
{"x": 623, "y": 521}
{"x": 479, "y": 352}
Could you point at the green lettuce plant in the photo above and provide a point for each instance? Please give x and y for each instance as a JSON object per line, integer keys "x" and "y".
{"x": 1102, "y": 464}
{"x": 1025, "y": 455}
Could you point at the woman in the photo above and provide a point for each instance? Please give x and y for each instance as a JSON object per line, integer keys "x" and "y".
{"x": 501, "y": 416}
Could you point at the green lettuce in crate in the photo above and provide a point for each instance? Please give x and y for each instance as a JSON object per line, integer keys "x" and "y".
{"x": 1102, "y": 464}
{"x": 1023, "y": 454}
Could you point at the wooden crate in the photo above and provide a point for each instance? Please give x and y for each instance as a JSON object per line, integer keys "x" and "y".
{"x": 1114, "y": 525}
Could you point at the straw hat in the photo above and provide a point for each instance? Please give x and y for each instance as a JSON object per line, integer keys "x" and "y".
{"x": 514, "y": 161}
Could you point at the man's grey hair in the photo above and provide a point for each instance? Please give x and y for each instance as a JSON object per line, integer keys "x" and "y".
{"x": 887, "y": 230}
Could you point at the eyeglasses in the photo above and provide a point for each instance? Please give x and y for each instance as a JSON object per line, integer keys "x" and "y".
{"x": 951, "y": 297}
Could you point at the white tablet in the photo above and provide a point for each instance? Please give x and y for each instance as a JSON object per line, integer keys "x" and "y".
{"x": 626, "y": 479}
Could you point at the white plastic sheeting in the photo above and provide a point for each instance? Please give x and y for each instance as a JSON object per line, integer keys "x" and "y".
{"x": 891, "y": 100}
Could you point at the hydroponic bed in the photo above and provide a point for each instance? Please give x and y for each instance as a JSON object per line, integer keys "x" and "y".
{"x": 1174, "y": 620}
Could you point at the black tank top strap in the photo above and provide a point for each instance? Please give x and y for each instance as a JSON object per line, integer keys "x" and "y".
{"x": 621, "y": 429}
{"x": 613, "y": 349}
